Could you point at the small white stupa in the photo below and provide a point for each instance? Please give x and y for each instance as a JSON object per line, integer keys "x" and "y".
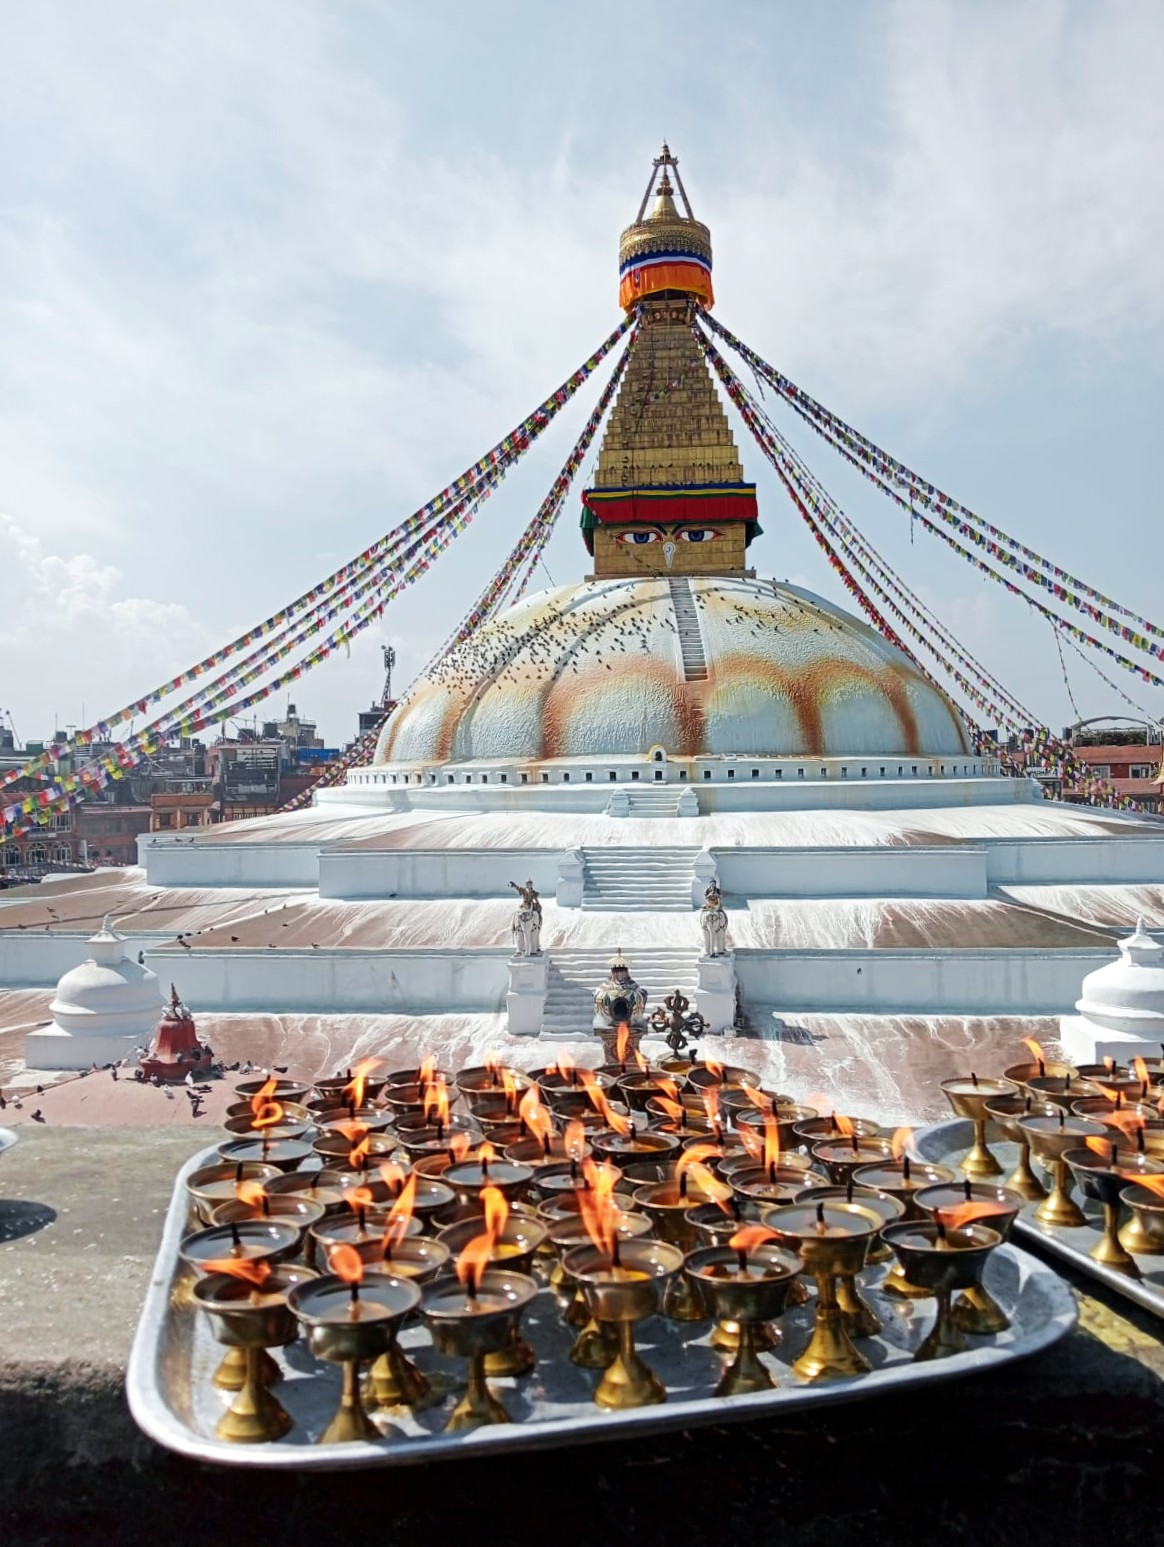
{"x": 102, "y": 1011}
{"x": 1121, "y": 1007}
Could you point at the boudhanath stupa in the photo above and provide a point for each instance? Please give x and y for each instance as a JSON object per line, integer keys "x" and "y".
{"x": 670, "y": 736}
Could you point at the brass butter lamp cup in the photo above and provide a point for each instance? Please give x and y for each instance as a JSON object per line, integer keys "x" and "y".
{"x": 270, "y": 1241}
{"x": 1104, "y": 1178}
{"x": 831, "y": 1239}
{"x": 348, "y": 1325}
{"x": 976, "y": 1310}
{"x": 471, "y": 1324}
{"x": 394, "y": 1382}
{"x": 252, "y": 1319}
{"x": 596, "y": 1345}
{"x": 861, "y": 1320}
{"x": 715, "y": 1227}
{"x": 621, "y": 1291}
{"x": 942, "y": 1260}
{"x": 666, "y": 1205}
{"x": 513, "y": 1249}
{"x": 968, "y": 1097}
{"x": 1005, "y": 1112}
{"x": 1144, "y": 1231}
{"x": 1050, "y": 1138}
{"x": 902, "y": 1179}
{"x": 748, "y": 1289}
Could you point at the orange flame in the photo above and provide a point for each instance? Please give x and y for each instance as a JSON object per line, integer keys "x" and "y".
{"x": 253, "y": 1194}
{"x": 459, "y": 1146}
{"x": 759, "y": 1100}
{"x": 264, "y": 1094}
{"x": 496, "y": 1208}
{"x": 710, "y": 1099}
{"x": 473, "y": 1262}
{"x": 563, "y": 1065}
{"x": 714, "y": 1068}
{"x": 358, "y": 1154}
{"x": 613, "y": 1120}
{"x": 493, "y": 1066}
{"x": 771, "y": 1144}
{"x": 486, "y": 1153}
{"x": 436, "y": 1103}
{"x": 351, "y": 1131}
{"x": 358, "y": 1198}
{"x": 1153, "y": 1184}
{"x": 1102, "y": 1147}
{"x": 574, "y": 1140}
{"x": 622, "y": 1043}
{"x": 597, "y": 1208}
{"x": 1141, "y": 1069}
{"x": 966, "y": 1213}
{"x": 749, "y": 1236}
{"x": 706, "y": 1183}
{"x": 353, "y": 1091}
{"x": 268, "y": 1116}
{"x": 509, "y": 1084}
{"x": 1035, "y": 1050}
{"x": 902, "y": 1145}
{"x": 346, "y": 1263}
{"x": 252, "y": 1270}
{"x": 751, "y": 1141}
{"x": 392, "y": 1176}
{"x": 533, "y": 1114}
{"x": 400, "y": 1215}
{"x": 427, "y": 1070}
{"x": 673, "y": 1109}
{"x": 1127, "y": 1122}
{"x": 844, "y": 1125}
{"x": 641, "y": 1063}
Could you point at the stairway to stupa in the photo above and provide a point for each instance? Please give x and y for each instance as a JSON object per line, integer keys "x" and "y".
{"x": 575, "y": 975}
{"x": 628, "y": 880}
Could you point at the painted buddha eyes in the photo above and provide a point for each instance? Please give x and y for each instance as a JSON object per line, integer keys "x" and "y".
{"x": 638, "y": 537}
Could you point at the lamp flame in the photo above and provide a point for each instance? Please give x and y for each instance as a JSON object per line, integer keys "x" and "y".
{"x": 459, "y": 1146}
{"x": 264, "y": 1094}
{"x": 710, "y": 1099}
{"x": 496, "y": 1207}
{"x": 1141, "y": 1069}
{"x": 346, "y": 1263}
{"x": 537, "y": 1120}
{"x": 358, "y": 1154}
{"x": 1153, "y": 1184}
{"x": 269, "y": 1115}
{"x": 622, "y": 1043}
{"x": 392, "y": 1175}
{"x": 749, "y": 1236}
{"x": 597, "y": 1207}
{"x": 473, "y": 1262}
{"x": 1035, "y": 1049}
{"x": 599, "y": 1100}
{"x": 436, "y": 1103}
{"x": 641, "y": 1063}
{"x": 252, "y": 1193}
{"x": 353, "y": 1091}
{"x": 902, "y": 1146}
{"x": 673, "y": 1109}
{"x": 714, "y": 1068}
{"x": 509, "y": 1084}
{"x": 844, "y": 1125}
{"x": 427, "y": 1070}
{"x": 358, "y": 1198}
{"x": 400, "y": 1216}
{"x": 493, "y": 1066}
{"x": 574, "y": 1140}
{"x": 564, "y": 1066}
{"x": 252, "y": 1270}
{"x": 966, "y": 1213}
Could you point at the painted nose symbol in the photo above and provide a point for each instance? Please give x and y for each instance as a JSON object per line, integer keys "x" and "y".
{"x": 668, "y": 554}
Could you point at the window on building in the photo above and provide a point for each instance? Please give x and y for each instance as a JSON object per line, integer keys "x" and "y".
{"x": 755, "y": 773}
{"x": 1141, "y": 771}
{"x": 658, "y": 775}
{"x": 634, "y": 773}
{"x": 612, "y": 776}
{"x": 505, "y": 778}
{"x": 191, "y": 819}
{"x": 62, "y": 854}
{"x": 1100, "y": 770}
{"x": 565, "y": 778}
{"x": 545, "y": 778}
{"x": 778, "y": 773}
{"x": 484, "y": 778}
{"x": 589, "y": 778}
{"x": 707, "y": 773}
{"x": 525, "y": 778}
{"x": 844, "y": 773}
{"x": 731, "y": 773}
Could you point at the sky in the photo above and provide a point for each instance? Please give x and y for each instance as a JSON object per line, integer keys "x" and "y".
{"x": 272, "y": 272}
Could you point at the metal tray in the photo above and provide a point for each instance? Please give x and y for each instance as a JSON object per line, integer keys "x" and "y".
{"x": 173, "y": 1400}
{"x": 7, "y": 1139}
{"x": 948, "y": 1142}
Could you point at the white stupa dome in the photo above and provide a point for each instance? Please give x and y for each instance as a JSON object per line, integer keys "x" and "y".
{"x": 109, "y": 995}
{"x": 699, "y": 665}
{"x": 1128, "y": 995}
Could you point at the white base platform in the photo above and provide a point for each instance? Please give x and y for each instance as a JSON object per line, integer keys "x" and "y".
{"x": 1086, "y": 1043}
{"x": 57, "y": 1049}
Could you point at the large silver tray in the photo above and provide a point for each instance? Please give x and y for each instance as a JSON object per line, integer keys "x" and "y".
{"x": 172, "y": 1397}
{"x": 946, "y": 1143}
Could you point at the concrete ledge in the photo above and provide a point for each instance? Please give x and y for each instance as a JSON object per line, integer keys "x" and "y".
{"x": 1062, "y": 1448}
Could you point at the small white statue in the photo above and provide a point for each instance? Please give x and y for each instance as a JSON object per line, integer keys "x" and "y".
{"x": 713, "y": 922}
{"x": 527, "y": 928}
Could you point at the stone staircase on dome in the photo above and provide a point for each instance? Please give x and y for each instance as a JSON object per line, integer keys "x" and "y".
{"x": 575, "y": 975}
{"x": 624, "y": 880}
{"x": 653, "y": 800}
{"x": 688, "y": 630}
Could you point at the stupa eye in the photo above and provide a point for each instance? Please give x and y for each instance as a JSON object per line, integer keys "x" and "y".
{"x": 637, "y": 539}
{"x": 699, "y": 534}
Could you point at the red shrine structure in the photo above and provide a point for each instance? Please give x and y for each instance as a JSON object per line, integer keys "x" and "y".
{"x": 176, "y": 1050}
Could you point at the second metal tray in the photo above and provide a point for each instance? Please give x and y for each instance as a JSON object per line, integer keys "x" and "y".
{"x": 173, "y": 1399}
{"x": 946, "y": 1144}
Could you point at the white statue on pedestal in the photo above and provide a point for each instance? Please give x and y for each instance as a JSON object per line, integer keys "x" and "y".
{"x": 713, "y": 922}
{"x": 527, "y": 921}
